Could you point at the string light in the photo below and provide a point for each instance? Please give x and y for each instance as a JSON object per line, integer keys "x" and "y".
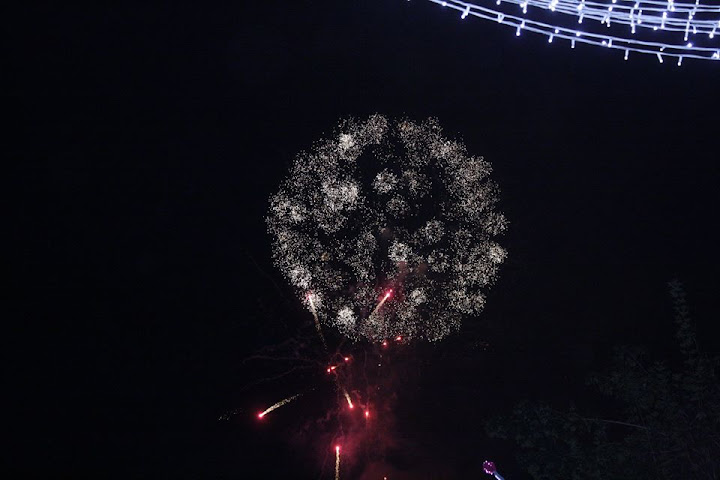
{"x": 677, "y": 21}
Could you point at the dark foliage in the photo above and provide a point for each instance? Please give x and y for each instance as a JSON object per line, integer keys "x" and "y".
{"x": 666, "y": 425}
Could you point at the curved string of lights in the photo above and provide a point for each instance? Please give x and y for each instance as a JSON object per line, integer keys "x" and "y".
{"x": 692, "y": 26}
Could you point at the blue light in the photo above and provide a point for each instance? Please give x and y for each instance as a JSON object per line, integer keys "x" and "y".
{"x": 639, "y": 37}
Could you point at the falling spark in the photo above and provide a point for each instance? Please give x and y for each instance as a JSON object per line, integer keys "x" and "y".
{"x": 367, "y": 413}
{"x": 347, "y": 397}
{"x": 317, "y": 321}
{"x": 278, "y": 405}
{"x": 384, "y": 299}
{"x": 337, "y": 462}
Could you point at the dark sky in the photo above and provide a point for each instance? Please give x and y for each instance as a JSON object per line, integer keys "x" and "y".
{"x": 146, "y": 140}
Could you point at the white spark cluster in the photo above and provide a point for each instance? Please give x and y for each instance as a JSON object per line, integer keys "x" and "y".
{"x": 663, "y": 28}
{"x": 388, "y": 206}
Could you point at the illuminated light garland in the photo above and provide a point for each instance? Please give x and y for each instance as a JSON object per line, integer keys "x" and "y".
{"x": 686, "y": 21}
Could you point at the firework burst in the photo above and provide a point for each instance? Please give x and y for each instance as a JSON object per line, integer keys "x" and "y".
{"x": 388, "y": 208}
{"x": 386, "y": 232}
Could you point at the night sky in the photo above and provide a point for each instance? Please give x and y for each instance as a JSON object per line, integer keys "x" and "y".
{"x": 145, "y": 141}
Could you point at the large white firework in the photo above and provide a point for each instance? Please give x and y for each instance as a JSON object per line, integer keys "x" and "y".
{"x": 388, "y": 214}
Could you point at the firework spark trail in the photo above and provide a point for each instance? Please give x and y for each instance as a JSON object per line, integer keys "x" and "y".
{"x": 317, "y": 321}
{"x": 490, "y": 469}
{"x": 379, "y": 305}
{"x": 384, "y": 299}
{"x": 347, "y": 397}
{"x": 337, "y": 462}
{"x": 278, "y": 405}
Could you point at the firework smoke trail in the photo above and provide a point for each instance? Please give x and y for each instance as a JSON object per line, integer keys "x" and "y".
{"x": 278, "y": 405}
{"x": 317, "y": 321}
{"x": 337, "y": 462}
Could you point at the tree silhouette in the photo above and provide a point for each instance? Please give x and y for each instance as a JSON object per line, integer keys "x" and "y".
{"x": 668, "y": 425}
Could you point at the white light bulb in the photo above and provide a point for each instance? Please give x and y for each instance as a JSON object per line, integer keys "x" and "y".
{"x": 667, "y": 19}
